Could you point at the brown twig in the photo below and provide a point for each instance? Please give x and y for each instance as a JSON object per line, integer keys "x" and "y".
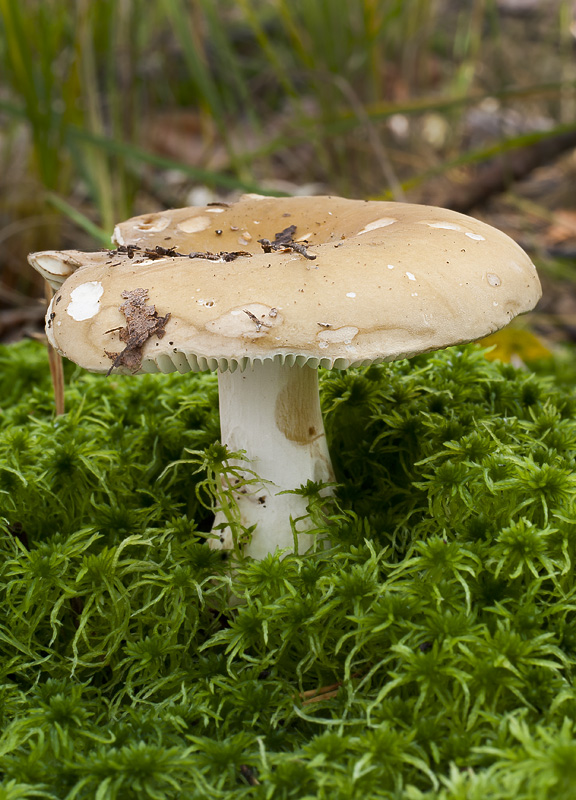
{"x": 55, "y": 362}
{"x": 323, "y": 693}
{"x": 249, "y": 775}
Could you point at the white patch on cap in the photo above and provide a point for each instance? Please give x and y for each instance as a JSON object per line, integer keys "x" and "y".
{"x": 391, "y": 266}
{"x": 383, "y": 222}
{"x": 351, "y": 294}
{"x": 345, "y": 334}
{"x": 410, "y": 276}
{"x": 194, "y": 224}
{"x": 453, "y": 226}
{"x": 254, "y": 196}
{"x": 215, "y": 210}
{"x": 449, "y": 226}
{"x": 117, "y": 237}
{"x": 237, "y": 324}
{"x": 85, "y": 300}
{"x": 142, "y": 262}
{"x": 49, "y": 328}
{"x": 207, "y": 303}
{"x": 493, "y": 279}
{"x": 153, "y": 223}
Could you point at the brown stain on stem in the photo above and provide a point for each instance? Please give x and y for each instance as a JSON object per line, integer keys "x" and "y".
{"x": 297, "y": 410}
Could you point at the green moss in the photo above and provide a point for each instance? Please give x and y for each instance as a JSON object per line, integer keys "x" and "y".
{"x": 429, "y": 653}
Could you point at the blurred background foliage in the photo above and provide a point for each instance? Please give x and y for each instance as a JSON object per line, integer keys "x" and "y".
{"x": 116, "y": 107}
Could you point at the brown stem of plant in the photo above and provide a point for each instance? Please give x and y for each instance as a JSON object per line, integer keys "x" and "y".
{"x": 318, "y": 697}
{"x": 56, "y": 369}
{"x": 322, "y": 693}
{"x": 249, "y": 775}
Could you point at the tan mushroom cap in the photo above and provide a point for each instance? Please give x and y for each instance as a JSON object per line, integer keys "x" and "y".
{"x": 389, "y": 280}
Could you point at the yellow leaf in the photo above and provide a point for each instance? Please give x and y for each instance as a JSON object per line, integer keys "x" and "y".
{"x": 515, "y": 345}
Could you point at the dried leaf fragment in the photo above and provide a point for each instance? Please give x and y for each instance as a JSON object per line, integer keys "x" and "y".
{"x": 134, "y": 251}
{"x": 142, "y": 322}
{"x": 222, "y": 255}
{"x": 284, "y": 240}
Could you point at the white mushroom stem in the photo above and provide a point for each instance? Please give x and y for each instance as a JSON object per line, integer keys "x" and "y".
{"x": 272, "y": 412}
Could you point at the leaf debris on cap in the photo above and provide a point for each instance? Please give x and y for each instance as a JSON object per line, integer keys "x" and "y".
{"x": 157, "y": 252}
{"x": 285, "y": 241}
{"x": 142, "y": 322}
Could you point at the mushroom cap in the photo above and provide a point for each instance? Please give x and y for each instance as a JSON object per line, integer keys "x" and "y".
{"x": 374, "y": 281}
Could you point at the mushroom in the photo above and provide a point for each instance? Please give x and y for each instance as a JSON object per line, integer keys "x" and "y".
{"x": 265, "y": 291}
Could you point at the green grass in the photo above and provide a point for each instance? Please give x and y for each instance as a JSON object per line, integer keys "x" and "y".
{"x": 298, "y": 90}
{"x": 442, "y": 615}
